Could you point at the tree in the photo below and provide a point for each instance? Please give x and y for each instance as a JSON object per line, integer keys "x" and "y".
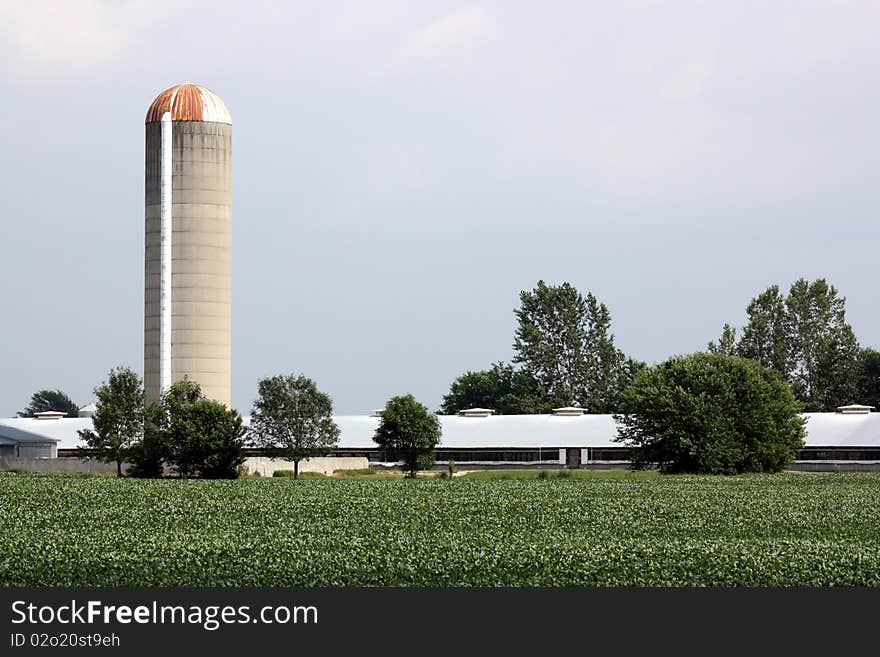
{"x": 409, "y": 432}
{"x": 179, "y": 394}
{"x": 824, "y": 349}
{"x": 197, "y": 437}
{"x": 292, "y": 419}
{"x": 507, "y": 390}
{"x": 869, "y": 380}
{"x": 50, "y": 400}
{"x": 804, "y": 337}
{"x": 564, "y": 341}
{"x": 766, "y": 338}
{"x": 712, "y": 414}
{"x": 551, "y": 338}
{"x": 603, "y": 360}
{"x": 205, "y": 439}
{"x": 627, "y": 372}
{"x": 118, "y": 419}
{"x": 148, "y": 457}
{"x": 726, "y": 343}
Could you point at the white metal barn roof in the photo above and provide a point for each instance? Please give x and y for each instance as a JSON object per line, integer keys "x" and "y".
{"x": 528, "y": 431}
{"x": 31, "y": 430}
{"x": 498, "y": 431}
{"x": 843, "y": 430}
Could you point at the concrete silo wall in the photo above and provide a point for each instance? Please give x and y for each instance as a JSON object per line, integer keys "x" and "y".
{"x": 201, "y": 257}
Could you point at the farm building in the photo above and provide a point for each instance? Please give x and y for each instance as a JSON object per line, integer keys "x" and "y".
{"x": 567, "y": 438}
{"x": 15, "y": 441}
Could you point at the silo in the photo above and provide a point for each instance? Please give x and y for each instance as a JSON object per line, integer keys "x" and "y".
{"x": 188, "y": 218}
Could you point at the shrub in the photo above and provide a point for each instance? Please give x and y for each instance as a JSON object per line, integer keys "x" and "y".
{"x": 362, "y": 472}
{"x": 302, "y": 475}
{"x": 712, "y": 414}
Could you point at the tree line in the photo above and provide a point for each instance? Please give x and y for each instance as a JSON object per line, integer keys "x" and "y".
{"x": 565, "y": 353}
{"x": 192, "y": 436}
{"x": 734, "y": 409}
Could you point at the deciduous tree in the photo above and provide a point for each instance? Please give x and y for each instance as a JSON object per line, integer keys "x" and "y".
{"x": 869, "y": 379}
{"x": 196, "y": 437}
{"x": 710, "y": 413}
{"x": 766, "y": 336}
{"x": 206, "y": 439}
{"x": 564, "y": 341}
{"x": 118, "y": 419}
{"x": 149, "y": 456}
{"x": 804, "y": 337}
{"x": 292, "y": 419}
{"x": 409, "y": 432}
{"x": 824, "y": 349}
{"x": 503, "y": 388}
{"x": 726, "y": 343}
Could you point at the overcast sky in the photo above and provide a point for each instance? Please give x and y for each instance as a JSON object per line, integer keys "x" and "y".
{"x": 403, "y": 169}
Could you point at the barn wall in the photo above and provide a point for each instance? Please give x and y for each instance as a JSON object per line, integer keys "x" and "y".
{"x": 68, "y": 464}
{"x": 37, "y": 450}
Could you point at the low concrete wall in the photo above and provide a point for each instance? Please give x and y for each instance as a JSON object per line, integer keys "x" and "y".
{"x": 67, "y": 464}
{"x": 265, "y": 466}
{"x": 325, "y": 464}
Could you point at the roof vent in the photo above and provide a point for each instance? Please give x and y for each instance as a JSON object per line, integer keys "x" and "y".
{"x": 49, "y": 415}
{"x": 569, "y": 411}
{"x": 854, "y": 409}
{"x": 88, "y": 410}
{"x": 476, "y": 412}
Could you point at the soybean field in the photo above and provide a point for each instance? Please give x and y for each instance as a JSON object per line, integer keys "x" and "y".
{"x": 768, "y": 530}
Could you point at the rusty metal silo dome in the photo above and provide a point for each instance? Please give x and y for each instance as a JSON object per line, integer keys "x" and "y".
{"x": 189, "y": 102}
{"x": 188, "y": 250}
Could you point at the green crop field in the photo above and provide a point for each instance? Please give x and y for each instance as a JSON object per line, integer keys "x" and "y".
{"x": 782, "y": 530}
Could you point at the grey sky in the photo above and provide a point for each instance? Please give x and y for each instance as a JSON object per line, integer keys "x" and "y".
{"x": 402, "y": 170}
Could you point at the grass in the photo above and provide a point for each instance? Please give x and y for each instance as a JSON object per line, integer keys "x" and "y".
{"x": 595, "y": 529}
{"x": 352, "y": 474}
{"x": 520, "y": 475}
{"x": 372, "y": 473}
{"x": 363, "y": 473}
{"x": 84, "y": 475}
